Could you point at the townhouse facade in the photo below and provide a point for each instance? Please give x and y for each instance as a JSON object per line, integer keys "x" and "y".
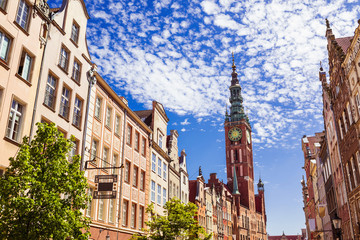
{"x": 21, "y": 50}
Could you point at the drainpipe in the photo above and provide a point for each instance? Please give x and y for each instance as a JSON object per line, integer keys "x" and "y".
{"x": 32, "y": 125}
{"x": 92, "y": 82}
{"x": 121, "y": 174}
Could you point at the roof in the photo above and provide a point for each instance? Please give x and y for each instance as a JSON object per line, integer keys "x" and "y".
{"x": 145, "y": 116}
{"x": 344, "y": 43}
{"x": 288, "y": 237}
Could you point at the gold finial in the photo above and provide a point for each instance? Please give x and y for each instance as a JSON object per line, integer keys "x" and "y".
{"x": 233, "y": 59}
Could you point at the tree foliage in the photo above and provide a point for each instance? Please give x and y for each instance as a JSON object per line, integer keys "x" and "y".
{"x": 178, "y": 223}
{"x": 42, "y": 192}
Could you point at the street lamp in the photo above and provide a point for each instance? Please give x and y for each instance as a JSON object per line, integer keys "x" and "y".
{"x": 337, "y": 225}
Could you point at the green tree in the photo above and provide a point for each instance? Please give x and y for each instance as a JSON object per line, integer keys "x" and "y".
{"x": 42, "y": 192}
{"x": 178, "y": 223}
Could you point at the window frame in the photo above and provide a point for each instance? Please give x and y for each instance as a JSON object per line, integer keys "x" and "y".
{"x": 127, "y": 171}
{"x": 108, "y": 117}
{"x": 28, "y": 16}
{"x": 136, "y": 141}
{"x": 133, "y": 215}
{"x": 159, "y": 194}
{"x": 142, "y": 180}
{"x": 97, "y": 108}
{"x": 3, "y": 35}
{"x": 67, "y": 58}
{"x": 19, "y": 114}
{"x": 76, "y": 40}
{"x": 54, "y": 88}
{"x": 153, "y": 191}
{"x": 105, "y": 157}
{"x": 125, "y": 214}
{"x": 77, "y": 112}
{"x": 143, "y": 146}
{"x": 93, "y": 156}
{"x": 153, "y": 162}
{"x": 135, "y": 176}
{"x": 141, "y": 217}
{"x": 3, "y": 5}
{"x": 64, "y": 106}
{"x": 76, "y": 73}
{"x": 129, "y": 135}
{"x": 159, "y": 167}
{"x": 164, "y": 171}
{"x": 25, "y": 53}
{"x": 117, "y": 125}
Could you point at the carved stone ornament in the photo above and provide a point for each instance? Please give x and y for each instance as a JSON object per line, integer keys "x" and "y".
{"x": 43, "y": 6}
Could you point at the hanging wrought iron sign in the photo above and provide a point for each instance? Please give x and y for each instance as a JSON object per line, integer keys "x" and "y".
{"x": 105, "y": 187}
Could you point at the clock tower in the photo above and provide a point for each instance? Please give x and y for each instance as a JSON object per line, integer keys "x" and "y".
{"x": 239, "y": 156}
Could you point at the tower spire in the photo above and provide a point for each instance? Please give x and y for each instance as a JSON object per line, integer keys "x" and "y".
{"x": 234, "y": 74}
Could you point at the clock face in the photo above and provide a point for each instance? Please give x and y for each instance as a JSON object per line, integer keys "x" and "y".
{"x": 235, "y": 134}
{"x": 248, "y": 137}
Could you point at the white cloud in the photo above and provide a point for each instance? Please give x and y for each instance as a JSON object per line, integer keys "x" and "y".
{"x": 183, "y": 130}
{"x": 185, "y": 122}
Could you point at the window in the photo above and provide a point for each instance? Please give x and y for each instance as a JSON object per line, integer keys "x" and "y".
{"x": 133, "y": 215}
{"x": 345, "y": 123}
{"x": 128, "y": 136}
{"x": 340, "y": 129}
{"x": 158, "y": 194}
{"x": 170, "y": 189}
{"x": 50, "y": 92}
{"x": 104, "y": 160}
{"x": 353, "y": 163}
{"x": 108, "y": 117}
{"x": 77, "y": 112}
{"x": 184, "y": 179}
{"x": 127, "y": 172}
{"x": 25, "y": 66}
{"x": 135, "y": 176}
{"x": 137, "y": 136}
{"x": 114, "y": 163}
{"x": 117, "y": 124}
{"x": 22, "y": 17}
{"x": 75, "y": 148}
{"x": 65, "y": 103}
{"x": 153, "y": 162}
{"x": 14, "y": 123}
{"x": 175, "y": 194}
{"x": 111, "y": 210}
{"x": 152, "y": 191}
{"x": 4, "y": 46}
{"x": 97, "y": 107}
{"x": 349, "y": 179}
{"x": 164, "y": 171}
{"x": 357, "y": 99}
{"x": 3, "y": 4}
{"x": 143, "y": 146}
{"x": 160, "y": 142}
{"x": 75, "y": 32}
{"x": 349, "y": 113}
{"x": 89, "y": 203}
{"x": 142, "y": 180}
{"x": 94, "y": 147}
{"x": 125, "y": 213}
{"x": 64, "y": 58}
{"x": 76, "y": 71}
{"x": 159, "y": 166}
{"x": 141, "y": 217}
{"x": 164, "y": 196}
{"x": 101, "y": 209}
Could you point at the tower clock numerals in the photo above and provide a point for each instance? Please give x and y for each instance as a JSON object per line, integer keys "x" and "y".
{"x": 235, "y": 134}
{"x": 248, "y": 137}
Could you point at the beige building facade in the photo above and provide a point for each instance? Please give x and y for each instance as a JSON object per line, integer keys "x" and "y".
{"x": 117, "y": 144}
{"x": 21, "y": 50}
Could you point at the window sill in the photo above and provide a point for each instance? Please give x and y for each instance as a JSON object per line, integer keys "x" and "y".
{"x": 97, "y": 118}
{"x": 76, "y": 45}
{"x": 61, "y": 116}
{"x": 4, "y": 64}
{"x": 108, "y": 128}
{"x": 64, "y": 70}
{"x": 23, "y": 79}
{"x": 21, "y": 28}
{"x": 3, "y": 11}
{"x": 50, "y": 108}
{"x": 117, "y": 134}
{"x": 12, "y": 141}
{"x": 78, "y": 127}
{"x": 77, "y": 82}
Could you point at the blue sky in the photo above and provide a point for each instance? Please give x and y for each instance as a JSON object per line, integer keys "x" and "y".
{"x": 179, "y": 53}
